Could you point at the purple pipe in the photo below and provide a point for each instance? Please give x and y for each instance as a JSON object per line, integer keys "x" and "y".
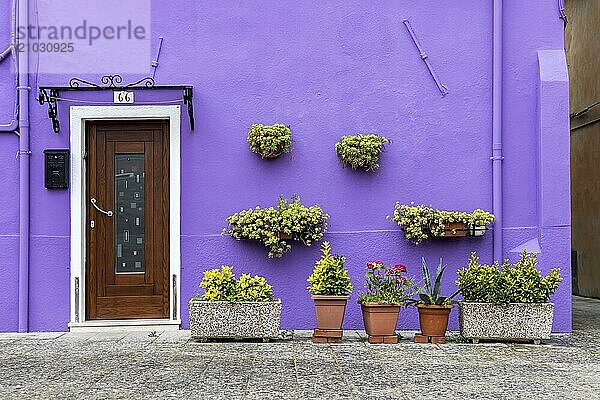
{"x": 24, "y": 153}
{"x": 13, "y": 124}
{"x": 497, "y": 131}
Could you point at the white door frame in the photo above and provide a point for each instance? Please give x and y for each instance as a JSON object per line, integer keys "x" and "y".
{"x": 78, "y": 116}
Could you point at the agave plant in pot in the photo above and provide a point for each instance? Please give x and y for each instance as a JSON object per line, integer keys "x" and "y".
{"x": 434, "y": 309}
{"x": 330, "y": 289}
{"x": 387, "y": 290}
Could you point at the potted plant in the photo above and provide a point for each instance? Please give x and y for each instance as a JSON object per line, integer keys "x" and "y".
{"x": 330, "y": 289}
{"x": 508, "y": 302}
{"x": 269, "y": 141}
{"x": 277, "y": 228}
{"x": 434, "y": 309}
{"x": 232, "y": 308}
{"x": 361, "y": 151}
{"x": 420, "y": 222}
{"x": 387, "y": 290}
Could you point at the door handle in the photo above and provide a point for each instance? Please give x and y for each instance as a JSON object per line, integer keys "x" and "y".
{"x": 94, "y": 203}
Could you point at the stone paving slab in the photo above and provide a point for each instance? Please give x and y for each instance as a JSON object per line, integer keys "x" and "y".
{"x": 142, "y": 365}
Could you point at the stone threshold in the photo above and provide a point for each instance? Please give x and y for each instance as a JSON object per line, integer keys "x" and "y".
{"x": 129, "y": 325}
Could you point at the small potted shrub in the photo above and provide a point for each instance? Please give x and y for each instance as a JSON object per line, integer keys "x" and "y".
{"x": 232, "y": 308}
{"x": 277, "y": 228}
{"x": 387, "y": 290}
{"x": 434, "y": 309}
{"x": 508, "y": 302}
{"x": 269, "y": 141}
{"x": 361, "y": 151}
{"x": 330, "y": 288}
{"x": 420, "y": 222}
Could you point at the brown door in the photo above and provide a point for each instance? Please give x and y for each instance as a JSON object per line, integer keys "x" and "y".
{"x": 127, "y": 270}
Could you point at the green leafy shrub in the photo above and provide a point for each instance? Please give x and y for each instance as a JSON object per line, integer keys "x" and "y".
{"x": 481, "y": 282}
{"x": 386, "y": 285}
{"x": 270, "y": 140}
{"x": 219, "y": 285}
{"x": 518, "y": 283}
{"x": 222, "y": 285}
{"x": 253, "y": 289}
{"x": 419, "y": 222}
{"x": 523, "y": 283}
{"x": 277, "y": 227}
{"x": 361, "y": 151}
{"x": 329, "y": 276}
{"x": 429, "y": 293}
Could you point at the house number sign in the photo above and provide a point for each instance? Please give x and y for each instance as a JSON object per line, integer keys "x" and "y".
{"x": 122, "y": 97}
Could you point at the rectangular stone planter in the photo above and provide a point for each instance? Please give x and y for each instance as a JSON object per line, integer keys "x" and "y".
{"x": 514, "y": 321}
{"x": 234, "y": 320}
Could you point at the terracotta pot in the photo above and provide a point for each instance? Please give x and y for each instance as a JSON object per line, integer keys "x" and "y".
{"x": 454, "y": 229}
{"x": 380, "y": 319}
{"x": 330, "y": 311}
{"x": 434, "y": 319}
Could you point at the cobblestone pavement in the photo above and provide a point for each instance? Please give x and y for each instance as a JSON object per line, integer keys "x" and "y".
{"x": 169, "y": 365}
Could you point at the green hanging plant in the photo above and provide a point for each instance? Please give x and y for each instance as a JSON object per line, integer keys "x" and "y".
{"x": 277, "y": 228}
{"x": 361, "y": 151}
{"x": 269, "y": 141}
{"x": 420, "y": 222}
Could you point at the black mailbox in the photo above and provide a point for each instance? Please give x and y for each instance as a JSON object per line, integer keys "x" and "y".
{"x": 56, "y": 169}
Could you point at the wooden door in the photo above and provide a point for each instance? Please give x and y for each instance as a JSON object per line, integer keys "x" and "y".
{"x": 127, "y": 262}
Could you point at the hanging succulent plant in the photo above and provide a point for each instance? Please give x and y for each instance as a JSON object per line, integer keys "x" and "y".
{"x": 269, "y": 141}
{"x": 361, "y": 151}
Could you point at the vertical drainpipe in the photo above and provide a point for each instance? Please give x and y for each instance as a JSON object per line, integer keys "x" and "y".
{"x": 24, "y": 153}
{"x": 497, "y": 131}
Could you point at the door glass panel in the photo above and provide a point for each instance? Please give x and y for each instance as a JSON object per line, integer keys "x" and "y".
{"x": 129, "y": 206}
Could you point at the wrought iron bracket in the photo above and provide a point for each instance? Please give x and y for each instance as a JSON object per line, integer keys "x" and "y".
{"x": 188, "y": 94}
{"x": 50, "y": 94}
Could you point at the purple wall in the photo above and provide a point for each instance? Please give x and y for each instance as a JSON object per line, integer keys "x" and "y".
{"x": 328, "y": 69}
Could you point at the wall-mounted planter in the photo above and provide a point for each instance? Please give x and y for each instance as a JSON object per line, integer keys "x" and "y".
{"x": 421, "y": 222}
{"x": 278, "y": 228}
{"x": 361, "y": 151}
{"x": 270, "y": 141}
{"x": 234, "y": 320}
{"x": 514, "y": 321}
{"x": 452, "y": 229}
{"x": 477, "y": 231}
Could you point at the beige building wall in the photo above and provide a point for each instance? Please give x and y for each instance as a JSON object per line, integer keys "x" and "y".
{"x": 583, "y": 57}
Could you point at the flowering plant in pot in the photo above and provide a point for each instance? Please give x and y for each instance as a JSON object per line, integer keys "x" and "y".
{"x": 234, "y": 308}
{"x": 269, "y": 141}
{"x": 330, "y": 288}
{"x": 434, "y": 309}
{"x": 361, "y": 151}
{"x": 508, "y": 302}
{"x": 387, "y": 290}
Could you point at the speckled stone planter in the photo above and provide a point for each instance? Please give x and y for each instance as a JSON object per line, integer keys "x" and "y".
{"x": 240, "y": 320}
{"x": 514, "y": 321}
